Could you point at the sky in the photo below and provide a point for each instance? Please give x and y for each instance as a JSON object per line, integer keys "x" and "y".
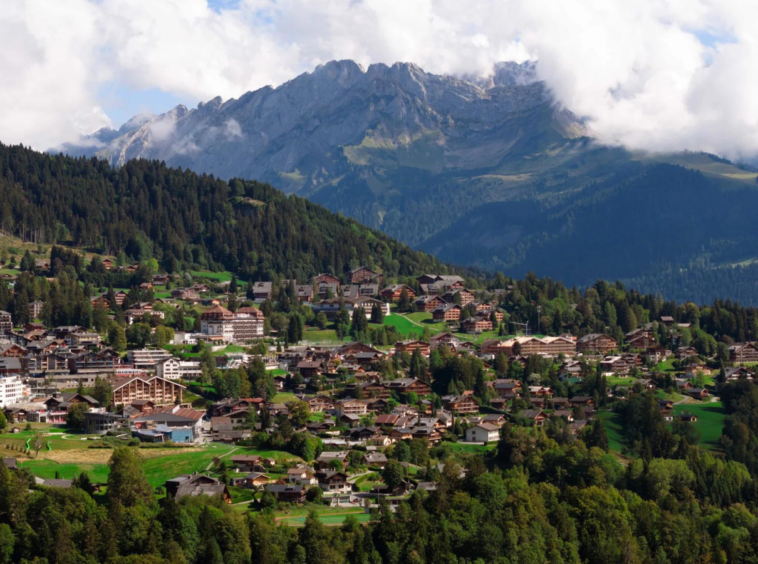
{"x": 659, "y": 75}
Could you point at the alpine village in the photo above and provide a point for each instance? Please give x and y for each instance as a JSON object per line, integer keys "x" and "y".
{"x": 195, "y": 370}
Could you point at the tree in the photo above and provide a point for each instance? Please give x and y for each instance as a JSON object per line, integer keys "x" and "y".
{"x": 299, "y": 413}
{"x": 359, "y": 324}
{"x": 75, "y": 416}
{"x": 127, "y": 483}
{"x": 321, "y": 320}
{"x": 3, "y": 422}
{"x": 393, "y": 474}
{"x": 117, "y": 338}
{"x": 404, "y": 303}
{"x": 501, "y": 365}
{"x": 377, "y": 314}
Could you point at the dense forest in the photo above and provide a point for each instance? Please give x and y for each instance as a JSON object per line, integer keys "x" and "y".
{"x": 180, "y": 218}
{"x": 541, "y": 496}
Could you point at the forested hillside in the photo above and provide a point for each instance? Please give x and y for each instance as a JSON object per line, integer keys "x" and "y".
{"x": 148, "y": 210}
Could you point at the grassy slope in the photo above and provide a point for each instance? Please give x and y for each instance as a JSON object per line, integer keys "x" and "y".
{"x": 710, "y": 421}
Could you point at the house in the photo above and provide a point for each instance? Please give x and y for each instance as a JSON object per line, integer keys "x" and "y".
{"x": 247, "y": 462}
{"x": 301, "y": 475}
{"x": 407, "y": 385}
{"x": 196, "y": 484}
{"x": 6, "y": 322}
{"x": 326, "y": 279}
{"x": 333, "y": 481}
{"x": 698, "y": 393}
{"x": 446, "y": 339}
{"x": 458, "y": 404}
{"x": 375, "y": 459}
{"x": 393, "y": 292}
{"x": 428, "y": 303}
{"x": 494, "y": 419}
{"x": 250, "y": 481}
{"x": 581, "y": 401}
{"x": 448, "y": 313}
{"x": 363, "y": 274}
{"x": 459, "y": 295}
{"x": 476, "y": 325}
{"x": 537, "y": 416}
{"x": 483, "y": 433}
{"x": 287, "y": 493}
{"x": 326, "y": 457}
{"x": 743, "y": 352}
{"x": 143, "y": 387}
{"x": 410, "y": 346}
{"x": 596, "y": 342}
{"x": 262, "y": 291}
{"x": 687, "y": 417}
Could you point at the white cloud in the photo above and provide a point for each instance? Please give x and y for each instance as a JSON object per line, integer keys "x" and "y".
{"x": 635, "y": 70}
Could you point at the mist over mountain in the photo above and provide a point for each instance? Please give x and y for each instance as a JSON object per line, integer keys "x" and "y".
{"x": 488, "y": 172}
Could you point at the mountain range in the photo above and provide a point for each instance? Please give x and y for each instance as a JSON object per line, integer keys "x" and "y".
{"x": 486, "y": 172}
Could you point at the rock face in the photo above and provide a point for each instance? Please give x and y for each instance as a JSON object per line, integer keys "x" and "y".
{"x": 340, "y": 120}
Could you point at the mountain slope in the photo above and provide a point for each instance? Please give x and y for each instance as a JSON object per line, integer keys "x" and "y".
{"x": 489, "y": 172}
{"x": 147, "y": 210}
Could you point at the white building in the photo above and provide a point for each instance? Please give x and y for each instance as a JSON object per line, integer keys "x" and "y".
{"x": 483, "y": 433}
{"x": 11, "y": 390}
{"x": 147, "y": 359}
{"x": 175, "y": 369}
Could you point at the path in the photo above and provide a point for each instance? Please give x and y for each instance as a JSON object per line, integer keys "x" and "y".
{"x": 210, "y": 464}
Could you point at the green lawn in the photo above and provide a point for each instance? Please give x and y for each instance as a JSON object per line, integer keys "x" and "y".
{"x": 612, "y": 429}
{"x": 216, "y": 276}
{"x": 322, "y": 336}
{"x": 328, "y": 516}
{"x": 278, "y": 372}
{"x": 157, "y": 469}
{"x": 283, "y": 397}
{"x": 710, "y": 421}
{"x": 470, "y": 448}
{"x": 403, "y": 325}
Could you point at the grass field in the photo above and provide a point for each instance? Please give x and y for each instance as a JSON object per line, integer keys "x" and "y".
{"x": 469, "y": 448}
{"x": 322, "y": 336}
{"x": 283, "y": 397}
{"x": 159, "y": 464}
{"x": 216, "y": 276}
{"x": 403, "y": 325}
{"x": 710, "y": 421}
{"x": 328, "y": 516}
{"x": 613, "y": 430}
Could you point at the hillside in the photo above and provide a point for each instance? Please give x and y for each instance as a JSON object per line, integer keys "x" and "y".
{"x": 148, "y": 210}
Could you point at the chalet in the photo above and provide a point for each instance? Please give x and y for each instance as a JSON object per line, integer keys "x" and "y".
{"x": 565, "y": 413}
{"x": 464, "y": 297}
{"x": 494, "y": 419}
{"x": 447, "y": 339}
{"x": 326, "y": 279}
{"x": 262, "y": 291}
{"x": 333, "y": 481}
{"x": 476, "y": 325}
{"x": 737, "y": 372}
{"x": 196, "y": 484}
{"x": 458, "y": 404}
{"x": 685, "y": 352}
{"x": 667, "y": 320}
{"x": 410, "y": 346}
{"x": 247, "y": 462}
{"x": 376, "y": 459}
{"x": 581, "y": 401}
{"x": 508, "y": 389}
{"x": 448, "y": 313}
{"x": 540, "y": 392}
{"x": 287, "y": 493}
{"x": 186, "y": 294}
{"x": 743, "y": 352}
{"x": 615, "y": 365}
{"x": 301, "y": 475}
{"x": 687, "y": 417}
{"x": 304, "y": 293}
{"x": 251, "y": 480}
{"x": 393, "y": 292}
{"x": 698, "y": 393}
{"x": 483, "y": 433}
{"x": 537, "y": 416}
{"x": 310, "y": 368}
{"x": 428, "y": 303}
{"x": 153, "y": 388}
{"x": 407, "y": 385}
{"x": 350, "y": 407}
{"x": 596, "y": 342}
{"x": 387, "y": 420}
{"x": 327, "y": 457}
{"x": 363, "y": 274}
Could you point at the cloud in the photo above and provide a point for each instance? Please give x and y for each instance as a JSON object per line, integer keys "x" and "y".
{"x": 637, "y": 71}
